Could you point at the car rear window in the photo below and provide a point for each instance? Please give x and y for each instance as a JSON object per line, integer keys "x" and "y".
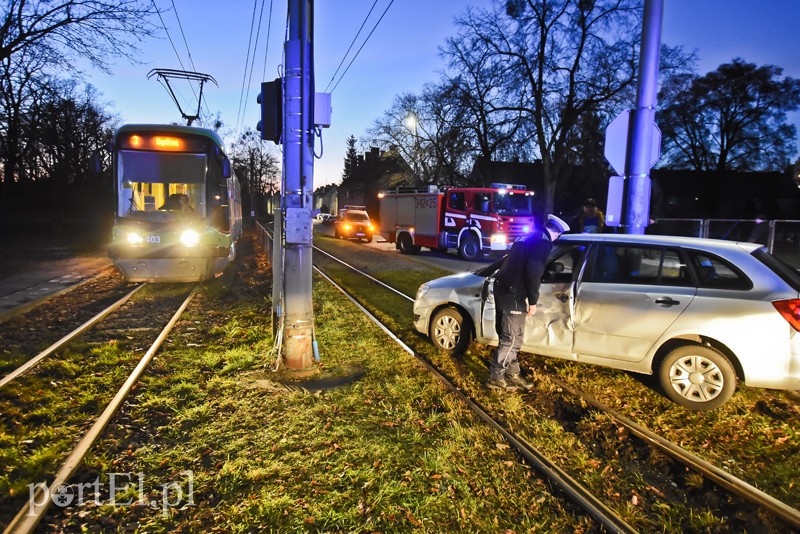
{"x": 717, "y": 273}
{"x": 786, "y": 272}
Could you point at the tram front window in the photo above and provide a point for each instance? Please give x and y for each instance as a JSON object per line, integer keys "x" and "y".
{"x": 161, "y": 186}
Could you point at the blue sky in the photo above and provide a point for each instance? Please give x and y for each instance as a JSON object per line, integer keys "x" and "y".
{"x": 400, "y": 56}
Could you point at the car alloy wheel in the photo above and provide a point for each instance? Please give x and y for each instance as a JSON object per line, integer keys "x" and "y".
{"x": 697, "y": 377}
{"x": 449, "y": 331}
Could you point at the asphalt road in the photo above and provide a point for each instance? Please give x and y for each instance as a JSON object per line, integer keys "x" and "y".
{"x": 43, "y": 279}
{"x": 444, "y": 260}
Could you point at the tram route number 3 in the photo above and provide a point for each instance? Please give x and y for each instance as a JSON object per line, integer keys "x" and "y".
{"x": 425, "y": 202}
{"x": 153, "y": 239}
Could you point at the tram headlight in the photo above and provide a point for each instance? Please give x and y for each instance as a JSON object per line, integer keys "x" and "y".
{"x": 134, "y": 238}
{"x": 190, "y": 238}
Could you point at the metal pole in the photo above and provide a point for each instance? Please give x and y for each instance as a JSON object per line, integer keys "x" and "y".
{"x": 277, "y": 272}
{"x": 297, "y": 195}
{"x": 637, "y": 168}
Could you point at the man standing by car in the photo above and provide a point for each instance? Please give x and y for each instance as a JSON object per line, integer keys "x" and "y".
{"x": 516, "y": 291}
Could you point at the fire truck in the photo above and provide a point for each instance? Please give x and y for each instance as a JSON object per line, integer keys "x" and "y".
{"x": 472, "y": 220}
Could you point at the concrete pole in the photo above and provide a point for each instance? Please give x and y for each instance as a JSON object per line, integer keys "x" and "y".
{"x": 297, "y": 195}
{"x": 637, "y": 166}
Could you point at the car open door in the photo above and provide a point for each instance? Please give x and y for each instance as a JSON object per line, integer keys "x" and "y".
{"x": 549, "y": 331}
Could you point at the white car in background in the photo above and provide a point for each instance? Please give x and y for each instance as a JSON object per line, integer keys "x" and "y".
{"x": 701, "y": 314}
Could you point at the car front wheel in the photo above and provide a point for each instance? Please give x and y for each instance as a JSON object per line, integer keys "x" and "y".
{"x": 697, "y": 377}
{"x": 450, "y": 331}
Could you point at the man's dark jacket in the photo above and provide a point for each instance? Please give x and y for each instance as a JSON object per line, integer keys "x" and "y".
{"x": 522, "y": 270}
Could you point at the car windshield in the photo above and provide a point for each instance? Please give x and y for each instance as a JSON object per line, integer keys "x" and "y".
{"x": 355, "y": 216}
{"x": 517, "y": 204}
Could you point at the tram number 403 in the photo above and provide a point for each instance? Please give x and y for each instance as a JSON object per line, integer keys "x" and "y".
{"x": 153, "y": 239}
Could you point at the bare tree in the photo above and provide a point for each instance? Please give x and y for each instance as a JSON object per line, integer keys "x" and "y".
{"x": 731, "y": 119}
{"x": 91, "y": 29}
{"x": 476, "y": 87}
{"x": 561, "y": 59}
{"x": 425, "y": 131}
{"x": 23, "y": 83}
{"x": 257, "y": 168}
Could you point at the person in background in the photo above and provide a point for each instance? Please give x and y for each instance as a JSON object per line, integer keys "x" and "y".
{"x": 516, "y": 291}
{"x": 591, "y": 220}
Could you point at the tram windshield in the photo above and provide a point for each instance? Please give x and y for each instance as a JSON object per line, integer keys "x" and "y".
{"x": 161, "y": 186}
{"x": 520, "y": 205}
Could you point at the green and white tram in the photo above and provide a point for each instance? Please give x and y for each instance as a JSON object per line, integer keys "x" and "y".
{"x": 178, "y": 208}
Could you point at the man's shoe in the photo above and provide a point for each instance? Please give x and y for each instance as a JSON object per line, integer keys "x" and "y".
{"x": 517, "y": 380}
{"x": 501, "y": 384}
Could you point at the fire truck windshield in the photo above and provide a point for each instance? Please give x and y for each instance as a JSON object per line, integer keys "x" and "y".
{"x": 514, "y": 204}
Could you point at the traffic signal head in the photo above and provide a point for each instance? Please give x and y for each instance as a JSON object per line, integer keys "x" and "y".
{"x": 271, "y": 100}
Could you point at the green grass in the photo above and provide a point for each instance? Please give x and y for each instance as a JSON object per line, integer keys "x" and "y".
{"x": 391, "y": 452}
{"x": 394, "y": 451}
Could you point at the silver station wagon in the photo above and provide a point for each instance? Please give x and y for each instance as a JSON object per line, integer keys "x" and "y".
{"x": 701, "y": 314}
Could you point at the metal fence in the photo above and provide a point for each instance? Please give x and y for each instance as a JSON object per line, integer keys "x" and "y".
{"x": 781, "y": 236}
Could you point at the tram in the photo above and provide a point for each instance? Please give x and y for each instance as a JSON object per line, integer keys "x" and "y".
{"x": 178, "y": 211}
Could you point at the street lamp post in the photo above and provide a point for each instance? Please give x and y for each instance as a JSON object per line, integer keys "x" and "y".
{"x": 411, "y": 124}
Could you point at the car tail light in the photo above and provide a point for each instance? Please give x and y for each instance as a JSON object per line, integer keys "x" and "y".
{"x": 790, "y": 310}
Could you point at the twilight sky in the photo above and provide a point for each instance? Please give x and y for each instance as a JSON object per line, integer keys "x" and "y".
{"x": 400, "y": 56}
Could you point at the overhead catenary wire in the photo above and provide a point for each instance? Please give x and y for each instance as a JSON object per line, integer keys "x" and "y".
{"x": 247, "y": 62}
{"x": 188, "y": 53}
{"x": 174, "y": 48}
{"x": 255, "y": 48}
{"x": 269, "y": 32}
{"x": 362, "y": 45}
{"x": 351, "y": 45}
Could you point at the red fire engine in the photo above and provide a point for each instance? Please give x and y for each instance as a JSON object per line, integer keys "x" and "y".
{"x": 472, "y": 220}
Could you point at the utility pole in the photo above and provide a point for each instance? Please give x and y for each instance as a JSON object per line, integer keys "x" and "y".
{"x": 637, "y": 212}
{"x": 633, "y": 141}
{"x": 297, "y": 193}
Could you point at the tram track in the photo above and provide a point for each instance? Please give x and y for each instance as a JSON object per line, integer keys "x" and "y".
{"x": 67, "y": 338}
{"x": 727, "y": 482}
{"x": 98, "y": 375}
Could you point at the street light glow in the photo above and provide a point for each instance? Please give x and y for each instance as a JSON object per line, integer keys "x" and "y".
{"x": 411, "y": 122}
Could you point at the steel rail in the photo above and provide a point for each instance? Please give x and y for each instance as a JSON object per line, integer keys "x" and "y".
{"x": 721, "y": 477}
{"x": 566, "y": 484}
{"x": 726, "y": 480}
{"x": 66, "y": 339}
{"x": 359, "y": 271}
{"x": 29, "y": 516}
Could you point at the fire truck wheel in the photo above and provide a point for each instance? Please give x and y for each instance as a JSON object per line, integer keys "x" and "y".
{"x": 470, "y": 248}
{"x": 406, "y": 245}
